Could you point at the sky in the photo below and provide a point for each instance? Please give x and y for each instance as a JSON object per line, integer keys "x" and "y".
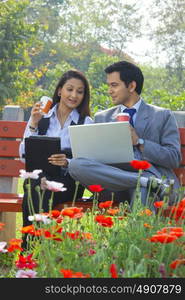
{"x": 142, "y": 49}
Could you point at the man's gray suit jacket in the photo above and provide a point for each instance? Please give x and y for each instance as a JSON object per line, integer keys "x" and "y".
{"x": 158, "y": 127}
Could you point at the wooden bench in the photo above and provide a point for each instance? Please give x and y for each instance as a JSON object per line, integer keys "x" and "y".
{"x": 180, "y": 172}
{"x": 11, "y": 133}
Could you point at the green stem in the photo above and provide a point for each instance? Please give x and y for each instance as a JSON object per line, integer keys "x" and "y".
{"x": 51, "y": 201}
{"x": 75, "y": 193}
{"x": 137, "y": 201}
{"x": 94, "y": 202}
{"x": 148, "y": 194}
{"x": 30, "y": 202}
{"x": 41, "y": 196}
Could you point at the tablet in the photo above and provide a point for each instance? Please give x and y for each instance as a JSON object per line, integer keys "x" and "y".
{"x": 37, "y": 150}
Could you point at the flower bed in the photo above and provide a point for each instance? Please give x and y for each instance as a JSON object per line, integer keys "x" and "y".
{"x": 101, "y": 242}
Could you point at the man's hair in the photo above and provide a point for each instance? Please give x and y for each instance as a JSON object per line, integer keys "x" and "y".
{"x": 128, "y": 73}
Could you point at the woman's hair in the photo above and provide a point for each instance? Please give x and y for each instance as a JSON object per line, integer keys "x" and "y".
{"x": 83, "y": 108}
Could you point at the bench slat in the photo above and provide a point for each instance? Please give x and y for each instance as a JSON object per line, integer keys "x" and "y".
{"x": 180, "y": 173}
{"x": 9, "y": 148}
{"x": 11, "y": 205}
{"x": 12, "y": 129}
{"x": 183, "y": 156}
{"x": 10, "y": 168}
{"x": 182, "y": 136}
{"x": 10, "y": 196}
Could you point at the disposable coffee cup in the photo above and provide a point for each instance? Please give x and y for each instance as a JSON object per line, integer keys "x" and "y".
{"x": 123, "y": 117}
{"x": 46, "y": 103}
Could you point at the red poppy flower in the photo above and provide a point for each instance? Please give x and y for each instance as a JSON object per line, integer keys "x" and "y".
{"x": 163, "y": 238}
{"x": 177, "y": 212}
{"x": 97, "y": 188}
{"x": 177, "y": 231}
{"x": 158, "y": 204}
{"x": 112, "y": 211}
{"x": 15, "y": 244}
{"x": 14, "y": 247}
{"x": 73, "y": 235}
{"x": 72, "y": 212}
{"x": 176, "y": 263}
{"x": 104, "y": 221}
{"x": 140, "y": 164}
{"x": 27, "y": 229}
{"x": 59, "y": 219}
{"x": 182, "y": 203}
{"x": 1, "y": 225}
{"x": 25, "y": 262}
{"x": 55, "y": 213}
{"x": 86, "y": 235}
{"x": 146, "y": 212}
{"x": 105, "y": 204}
{"x": 146, "y": 225}
{"x": 113, "y": 271}
{"x": 67, "y": 273}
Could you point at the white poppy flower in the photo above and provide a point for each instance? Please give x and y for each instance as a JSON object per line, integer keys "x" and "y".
{"x": 33, "y": 175}
{"x": 26, "y": 274}
{"x": 39, "y": 218}
{"x": 2, "y": 247}
{"x": 52, "y": 185}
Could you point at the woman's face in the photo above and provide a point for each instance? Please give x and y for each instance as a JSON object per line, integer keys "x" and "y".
{"x": 72, "y": 93}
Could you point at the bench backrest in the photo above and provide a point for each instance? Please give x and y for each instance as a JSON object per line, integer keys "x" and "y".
{"x": 11, "y": 133}
{"x": 180, "y": 172}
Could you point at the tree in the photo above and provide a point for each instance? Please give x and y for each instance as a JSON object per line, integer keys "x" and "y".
{"x": 16, "y": 36}
{"x": 170, "y": 34}
{"x": 110, "y": 22}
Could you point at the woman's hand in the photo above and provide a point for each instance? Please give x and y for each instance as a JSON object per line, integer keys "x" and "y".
{"x": 36, "y": 114}
{"x": 58, "y": 160}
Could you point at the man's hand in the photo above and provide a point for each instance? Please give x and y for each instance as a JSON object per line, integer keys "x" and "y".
{"x": 134, "y": 136}
{"x": 58, "y": 160}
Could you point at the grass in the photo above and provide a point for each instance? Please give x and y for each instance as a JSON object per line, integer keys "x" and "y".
{"x": 19, "y": 214}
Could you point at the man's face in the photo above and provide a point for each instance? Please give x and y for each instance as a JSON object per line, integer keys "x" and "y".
{"x": 117, "y": 89}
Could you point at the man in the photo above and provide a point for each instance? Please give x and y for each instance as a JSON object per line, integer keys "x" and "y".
{"x": 155, "y": 138}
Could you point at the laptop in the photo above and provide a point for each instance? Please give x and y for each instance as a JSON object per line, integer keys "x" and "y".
{"x": 108, "y": 143}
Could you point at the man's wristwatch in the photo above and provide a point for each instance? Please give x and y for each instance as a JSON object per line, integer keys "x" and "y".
{"x": 140, "y": 142}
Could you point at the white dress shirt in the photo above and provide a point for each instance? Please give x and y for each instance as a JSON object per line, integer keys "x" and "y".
{"x": 55, "y": 129}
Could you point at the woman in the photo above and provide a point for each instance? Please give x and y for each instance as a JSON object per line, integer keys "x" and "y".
{"x": 70, "y": 106}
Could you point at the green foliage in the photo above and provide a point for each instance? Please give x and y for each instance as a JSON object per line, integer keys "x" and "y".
{"x": 39, "y": 40}
{"x": 96, "y": 68}
{"x": 16, "y": 36}
{"x": 164, "y": 99}
{"x": 170, "y": 34}
{"x": 52, "y": 76}
{"x": 100, "y": 99}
